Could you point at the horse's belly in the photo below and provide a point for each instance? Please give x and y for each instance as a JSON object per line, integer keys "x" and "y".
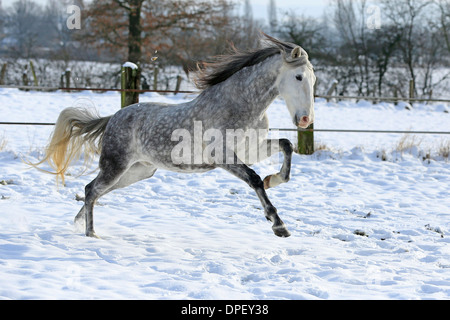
{"x": 184, "y": 168}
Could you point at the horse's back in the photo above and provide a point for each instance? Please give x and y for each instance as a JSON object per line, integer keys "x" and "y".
{"x": 154, "y": 132}
{"x": 143, "y": 132}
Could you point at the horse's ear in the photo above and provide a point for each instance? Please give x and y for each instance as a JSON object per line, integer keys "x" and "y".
{"x": 296, "y": 52}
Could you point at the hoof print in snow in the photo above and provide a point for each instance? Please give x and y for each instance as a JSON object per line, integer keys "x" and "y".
{"x": 360, "y": 233}
{"x": 435, "y": 229}
{"x": 6, "y": 182}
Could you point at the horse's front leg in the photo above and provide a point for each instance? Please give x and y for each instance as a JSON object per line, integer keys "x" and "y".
{"x": 246, "y": 174}
{"x": 273, "y": 146}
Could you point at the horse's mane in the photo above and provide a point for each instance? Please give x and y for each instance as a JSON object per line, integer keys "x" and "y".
{"x": 224, "y": 66}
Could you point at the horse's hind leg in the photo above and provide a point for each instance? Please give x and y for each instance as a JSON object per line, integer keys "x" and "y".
{"x": 80, "y": 215}
{"x": 110, "y": 172}
{"x": 135, "y": 173}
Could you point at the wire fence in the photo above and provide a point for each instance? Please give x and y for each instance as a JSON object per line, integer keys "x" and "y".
{"x": 30, "y": 88}
{"x": 338, "y": 97}
{"x": 52, "y": 89}
{"x": 360, "y": 131}
{"x": 272, "y": 129}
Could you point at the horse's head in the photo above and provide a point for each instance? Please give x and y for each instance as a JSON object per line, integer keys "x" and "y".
{"x": 296, "y": 86}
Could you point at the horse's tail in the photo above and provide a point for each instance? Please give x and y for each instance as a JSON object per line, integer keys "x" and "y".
{"x": 77, "y": 130}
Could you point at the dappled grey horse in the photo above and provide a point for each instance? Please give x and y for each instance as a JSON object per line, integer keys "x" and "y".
{"x": 190, "y": 137}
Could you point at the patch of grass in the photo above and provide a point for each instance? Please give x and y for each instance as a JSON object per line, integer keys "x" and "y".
{"x": 321, "y": 149}
{"x": 414, "y": 145}
{"x": 407, "y": 143}
{"x": 320, "y": 146}
{"x": 443, "y": 149}
{"x": 382, "y": 155}
{"x": 3, "y": 142}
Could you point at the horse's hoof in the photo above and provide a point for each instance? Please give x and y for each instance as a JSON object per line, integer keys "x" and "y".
{"x": 92, "y": 234}
{"x": 281, "y": 231}
{"x": 266, "y": 182}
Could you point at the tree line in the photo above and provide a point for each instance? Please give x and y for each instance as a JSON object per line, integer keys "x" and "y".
{"x": 370, "y": 47}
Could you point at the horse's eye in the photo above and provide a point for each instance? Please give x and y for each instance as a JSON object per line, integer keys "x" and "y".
{"x": 299, "y": 77}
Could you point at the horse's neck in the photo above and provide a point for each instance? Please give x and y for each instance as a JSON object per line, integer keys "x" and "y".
{"x": 251, "y": 89}
{"x": 258, "y": 83}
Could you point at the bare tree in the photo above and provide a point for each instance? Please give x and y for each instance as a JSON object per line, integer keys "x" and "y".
{"x": 142, "y": 26}
{"x": 382, "y": 47}
{"x": 307, "y": 32}
{"x": 2, "y": 21}
{"x": 432, "y": 51}
{"x": 350, "y": 22}
{"x": 189, "y": 44}
{"x": 56, "y": 35}
{"x": 248, "y": 12}
{"x": 23, "y": 24}
{"x": 272, "y": 13}
{"x": 407, "y": 16}
{"x": 245, "y": 28}
{"x": 444, "y": 21}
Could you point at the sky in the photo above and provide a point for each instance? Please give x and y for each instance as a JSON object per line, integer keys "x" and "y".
{"x": 307, "y": 7}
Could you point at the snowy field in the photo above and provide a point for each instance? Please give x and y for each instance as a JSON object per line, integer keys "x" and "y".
{"x": 362, "y": 227}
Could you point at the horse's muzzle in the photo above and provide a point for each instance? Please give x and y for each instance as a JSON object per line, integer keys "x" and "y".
{"x": 302, "y": 121}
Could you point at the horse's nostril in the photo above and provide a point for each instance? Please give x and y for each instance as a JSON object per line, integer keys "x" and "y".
{"x": 305, "y": 119}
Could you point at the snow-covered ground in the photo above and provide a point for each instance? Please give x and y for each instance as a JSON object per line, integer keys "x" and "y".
{"x": 362, "y": 228}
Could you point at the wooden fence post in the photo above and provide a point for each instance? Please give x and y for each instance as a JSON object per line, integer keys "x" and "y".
{"x": 155, "y": 78}
{"x": 395, "y": 96}
{"x": 130, "y": 79}
{"x": 332, "y": 88}
{"x": 411, "y": 89}
{"x": 25, "y": 77}
{"x": 67, "y": 74}
{"x": 64, "y": 81}
{"x": 305, "y": 140}
{"x": 177, "y": 87}
{"x": 3, "y": 74}
{"x": 430, "y": 95}
{"x": 33, "y": 73}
